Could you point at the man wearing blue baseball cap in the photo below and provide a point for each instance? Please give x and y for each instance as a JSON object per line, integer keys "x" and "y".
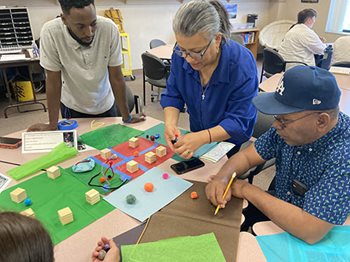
{"x": 310, "y": 140}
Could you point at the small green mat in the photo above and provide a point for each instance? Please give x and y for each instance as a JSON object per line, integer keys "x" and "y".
{"x": 49, "y": 196}
{"x": 109, "y": 136}
{"x": 86, "y": 176}
{"x": 182, "y": 249}
{"x": 159, "y": 129}
{"x": 60, "y": 153}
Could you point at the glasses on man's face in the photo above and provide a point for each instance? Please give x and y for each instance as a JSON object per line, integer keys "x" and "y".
{"x": 194, "y": 55}
{"x": 285, "y": 122}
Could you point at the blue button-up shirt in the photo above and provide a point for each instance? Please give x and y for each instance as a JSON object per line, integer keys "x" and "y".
{"x": 227, "y": 99}
{"x": 323, "y": 166}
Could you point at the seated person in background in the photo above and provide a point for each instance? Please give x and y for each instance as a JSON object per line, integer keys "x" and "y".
{"x": 81, "y": 54}
{"x": 301, "y": 43}
{"x": 310, "y": 140}
{"x": 214, "y": 76}
{"x": 24, "y": 239}
{"x": 341, "y": 49}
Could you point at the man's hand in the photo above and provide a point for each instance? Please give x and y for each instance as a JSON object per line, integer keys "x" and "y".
{"x": 189, "y": 143}
{"x": 111, "y": 256}
{"x": 41, "y": 127}
{"x": 136, "y": 118}
{"x": 215, "y": 190}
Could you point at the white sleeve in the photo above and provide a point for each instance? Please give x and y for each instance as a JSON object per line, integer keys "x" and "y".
{"x": 115, "y": 56}
{"x": 49, "y": 58}
{"x": 314, "y": 43}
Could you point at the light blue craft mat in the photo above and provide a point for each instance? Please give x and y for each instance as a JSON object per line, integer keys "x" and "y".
{"x": 147, "y": 203}
{"x": 335, "y": 246}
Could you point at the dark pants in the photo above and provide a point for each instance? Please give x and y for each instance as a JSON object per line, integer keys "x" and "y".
{"x": 68, "y": 113}
{"x": 253, "y": 215}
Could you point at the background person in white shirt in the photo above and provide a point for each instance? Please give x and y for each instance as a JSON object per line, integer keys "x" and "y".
{"x": 301, "y": 43}
{"x": 341, "y": 48}
{"x": 81, "y": 54}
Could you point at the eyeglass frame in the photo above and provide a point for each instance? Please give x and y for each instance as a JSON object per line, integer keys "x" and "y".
{"x": 185, "y": 53}
{"x": 284, "y": 123}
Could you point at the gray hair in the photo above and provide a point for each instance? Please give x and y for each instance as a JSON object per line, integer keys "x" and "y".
{"x": 202, "y": 16}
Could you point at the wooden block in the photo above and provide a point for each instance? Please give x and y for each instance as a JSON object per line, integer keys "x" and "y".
{"x": 65, "y": 215}
{"x": 18, "y": 195}
{"x": 106, "y": 153}
{"x": 150, "y": 157}
{"x": 92, "y": 196}
{"x": 132, "y": 166}
{"x": 161, "y": 151}
{"x": 28, "y": 212}
{"x": 134, "y": 142}
{"x": 53, "y": 172}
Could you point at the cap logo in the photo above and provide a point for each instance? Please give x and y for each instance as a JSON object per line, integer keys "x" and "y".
{"x": 280, "y": 88}
{"x": 316, "y": 101}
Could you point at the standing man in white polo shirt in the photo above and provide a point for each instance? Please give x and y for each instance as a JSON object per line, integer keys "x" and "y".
{"x": 301, "y": 43}
{"x": 81, "y": 54}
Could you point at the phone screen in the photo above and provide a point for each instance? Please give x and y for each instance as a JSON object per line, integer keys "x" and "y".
{"x": 9, "y": 140}
{"x": 187, "y": 165}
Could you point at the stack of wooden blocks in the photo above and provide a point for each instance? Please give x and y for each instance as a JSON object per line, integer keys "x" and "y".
{"x": 18, "y": 195}
{"x": 150, "y": 157}
{"x": 92, "y": 196}
{"x": 65, "y": 215}
{"x": 53, "y": 172}
{"x": 28, "y": 212}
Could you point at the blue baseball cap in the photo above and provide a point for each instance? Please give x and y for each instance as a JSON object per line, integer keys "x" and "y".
{"x": 301, "y": 88}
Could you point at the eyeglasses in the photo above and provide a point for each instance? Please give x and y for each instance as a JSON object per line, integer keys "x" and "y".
{"x": 194, "y": 55}
{"x": 286, "y": 122}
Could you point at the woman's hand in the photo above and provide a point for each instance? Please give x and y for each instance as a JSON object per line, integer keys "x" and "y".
{"x": 171, "y": 133}
{"x": 189, "y": 143}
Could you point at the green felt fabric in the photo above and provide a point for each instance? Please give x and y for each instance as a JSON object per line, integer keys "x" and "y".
{"x": 159, "y": 129}
{"x": 190, "y": 248}
{"x": 49, "y": 196}
{"x": 86, "y": 176}
{"x": 60, "y": 153}
{"x": 109, "y": 136}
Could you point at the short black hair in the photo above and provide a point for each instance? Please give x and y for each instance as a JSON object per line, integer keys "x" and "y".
{"x": 305, "y": 14}
{"x": 67, "y": 5}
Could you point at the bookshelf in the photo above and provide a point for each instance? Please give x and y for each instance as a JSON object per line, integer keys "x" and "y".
{"x": 251, "y": 39}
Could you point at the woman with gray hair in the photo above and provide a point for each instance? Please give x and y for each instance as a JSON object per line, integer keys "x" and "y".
{"x": 214, "y": 76}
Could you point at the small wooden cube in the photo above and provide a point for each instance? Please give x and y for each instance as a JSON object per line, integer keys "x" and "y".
{"x": 132, "y": 166}
{"x": 28, "y": 212}
{"x": 53, "y": 172}
{"x": 150, "y": 157}
{"x": 92, "y": 196}
{"x": 106, "y": 153}
{"x": 18, "y": 195}
{"x": 65, "y": 215}
{"x": 161, "y": 151}
{"x": 134, "y": 142}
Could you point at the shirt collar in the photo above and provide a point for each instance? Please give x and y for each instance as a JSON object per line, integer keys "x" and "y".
{"x": 71, "y": 41}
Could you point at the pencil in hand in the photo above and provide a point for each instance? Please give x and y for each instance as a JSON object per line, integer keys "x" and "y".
{"x": 226, "y": 190}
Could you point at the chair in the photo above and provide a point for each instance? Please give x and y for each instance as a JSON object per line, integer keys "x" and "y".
{"x": 237, "y": 38}
{"x": 273, "y": 34}
{"x": 133, "y": 101}
{"x": 155, "y": 72}
{"x": 342, "y": 64}
{"x": 274, "y": 63}
{"x": 262, "y": 124}
{"x": 155, "y": 43}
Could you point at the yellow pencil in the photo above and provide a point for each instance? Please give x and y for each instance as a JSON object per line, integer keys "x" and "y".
{"x": 226, "y": 190}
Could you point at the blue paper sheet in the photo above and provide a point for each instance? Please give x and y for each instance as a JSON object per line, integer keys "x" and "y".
{"x": 335, "y": 246}
{"x": 147, "y": 203}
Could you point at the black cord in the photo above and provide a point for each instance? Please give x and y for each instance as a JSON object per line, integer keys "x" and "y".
{"x": 109, "y": 188}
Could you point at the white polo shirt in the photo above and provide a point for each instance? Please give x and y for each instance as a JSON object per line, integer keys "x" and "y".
{"x": 84, "y": 70}
{"x": 301, "y": 44}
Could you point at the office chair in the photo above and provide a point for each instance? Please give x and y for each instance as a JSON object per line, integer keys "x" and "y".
{"x": 155, "y": 43}
{"x": 274, "y": 63}
{"x": 262, "y": 124}
{"x": 155, "y": 72}
{"x": 133, "y": 101}
{"x": 342, "y": 64}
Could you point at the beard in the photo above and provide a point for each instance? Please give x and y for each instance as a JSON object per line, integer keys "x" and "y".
{"x": 76, "y": 38}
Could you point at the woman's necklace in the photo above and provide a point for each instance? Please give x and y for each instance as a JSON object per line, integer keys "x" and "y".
{"x": 204, "y": 90}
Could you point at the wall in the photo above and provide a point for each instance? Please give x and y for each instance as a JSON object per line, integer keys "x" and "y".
{"x": 142, "y": 21}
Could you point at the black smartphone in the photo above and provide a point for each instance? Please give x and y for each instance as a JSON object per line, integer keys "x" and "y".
{"x": 187, "y": 165}
{"x": 9, "y": 142}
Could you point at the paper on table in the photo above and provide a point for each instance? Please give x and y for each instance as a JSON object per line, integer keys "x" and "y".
{"x": 13, "y": 57}
{"x": 189, "y": 248}
{"x": 4, "y": 181}
{"x": 339, "y": 70}
{"x": 218, "y": 152}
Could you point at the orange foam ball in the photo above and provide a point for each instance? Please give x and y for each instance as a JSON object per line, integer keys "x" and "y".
{"x": 148, "y": 187}
{"x": 136, "y": 153}
{"x": 102, "y": 180}
{"x": 194, "y": 195}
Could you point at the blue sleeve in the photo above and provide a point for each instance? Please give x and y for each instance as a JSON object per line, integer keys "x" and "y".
{"x": 266, "y": 144}
{"x": 171, "y": 97}
{"x": 240, "y": 113}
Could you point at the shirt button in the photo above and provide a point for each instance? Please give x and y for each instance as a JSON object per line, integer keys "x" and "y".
{"x": 298, "y": 152}
{"x": 310, "y": 149}
{"x": 288, "y": 193}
